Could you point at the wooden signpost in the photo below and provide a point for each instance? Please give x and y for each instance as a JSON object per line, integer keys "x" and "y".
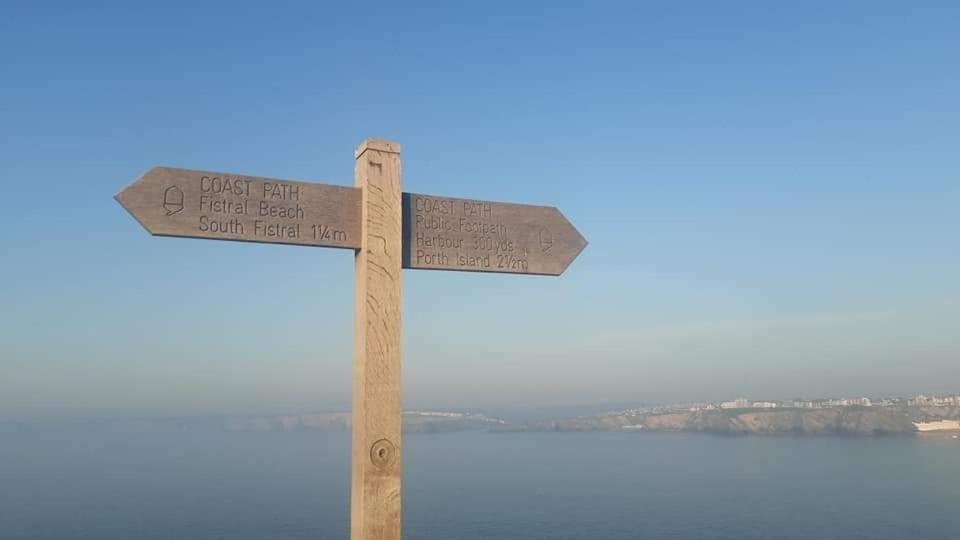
{"x": 389, "y": 230}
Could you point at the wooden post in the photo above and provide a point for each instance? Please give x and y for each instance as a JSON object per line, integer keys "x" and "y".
{"x": 375, "y": 486}
{"x": 371, "y": 219}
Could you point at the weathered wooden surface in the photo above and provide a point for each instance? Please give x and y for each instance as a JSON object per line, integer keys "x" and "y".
{"x": 375, "y": 485}
{"x": 444, "y": 233}
{"x": 225, "y": 206}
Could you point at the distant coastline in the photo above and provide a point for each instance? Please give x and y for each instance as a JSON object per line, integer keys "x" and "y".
{"x": 836, "y": 421}
{"x": 920, "y": 415}
{"x": 838, "y": 416}
{"x": 853, "y": 420}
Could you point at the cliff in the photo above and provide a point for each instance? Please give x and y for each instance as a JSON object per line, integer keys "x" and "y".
{"x": 835, "y": 421}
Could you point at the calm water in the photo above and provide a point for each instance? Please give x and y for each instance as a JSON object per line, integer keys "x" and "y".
{"x": 144, "y": 484}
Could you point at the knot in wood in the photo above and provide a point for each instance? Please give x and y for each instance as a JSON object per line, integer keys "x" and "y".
{"x": 383, "y": 453}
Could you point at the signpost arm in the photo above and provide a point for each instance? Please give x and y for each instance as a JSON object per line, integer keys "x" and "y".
{"x": 375, "y": 485}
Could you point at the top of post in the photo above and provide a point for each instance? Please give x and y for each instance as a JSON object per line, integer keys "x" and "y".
{"x": 380, "y": 145}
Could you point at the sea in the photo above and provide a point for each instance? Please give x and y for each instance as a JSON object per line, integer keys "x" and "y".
{"x": 149, "y": 483}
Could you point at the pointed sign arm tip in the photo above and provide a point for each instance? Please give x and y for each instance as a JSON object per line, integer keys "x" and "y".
{"x": 137, "y": 180}
{"x": 573, "y": 227}
{"x": 579, "y": 240}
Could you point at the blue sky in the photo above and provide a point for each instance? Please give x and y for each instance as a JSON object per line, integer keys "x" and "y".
{"x": 770, "y": 192}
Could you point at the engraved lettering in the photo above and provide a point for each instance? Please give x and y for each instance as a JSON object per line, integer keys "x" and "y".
{"x": 471, "y": 261}
{"x": 437, "y": 241}
{"x": 209, "y": 203}
{"x": 282, "y": 191}
{"x": 223, "y": 185}
{"x": 267, "y": 209}
{"x": 437, "y": 258}
{"x": 275, "y": 230}
{"x": 323, "y": 232}
{"x": 436, "y": 206}
{"x": 233, "y": 226}
{"x": 481, "y": 227}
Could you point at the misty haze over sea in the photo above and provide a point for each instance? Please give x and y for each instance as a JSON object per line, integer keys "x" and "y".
{"x": 144, "y": 480}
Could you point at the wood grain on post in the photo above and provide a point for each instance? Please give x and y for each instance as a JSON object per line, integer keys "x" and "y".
{"x": 375, "y": 485}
